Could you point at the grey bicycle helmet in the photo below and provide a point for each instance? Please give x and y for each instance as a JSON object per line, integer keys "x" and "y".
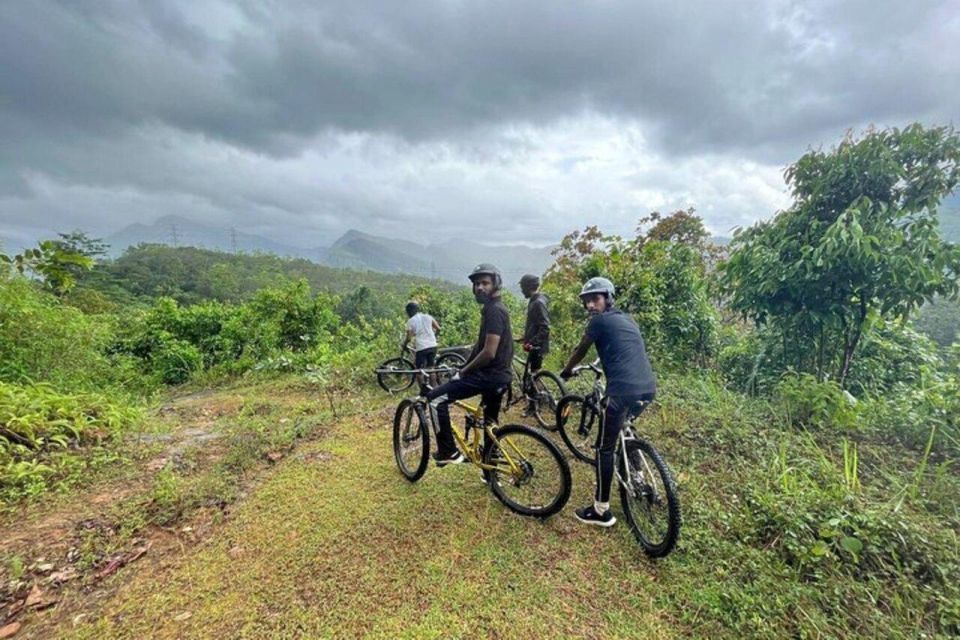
{"x": 487, "y": 269}
{"x": 598, "y": 285}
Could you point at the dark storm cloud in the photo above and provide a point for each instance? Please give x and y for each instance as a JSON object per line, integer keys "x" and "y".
{"x": 215, "y": 104}
{"x": 704, "y": 75}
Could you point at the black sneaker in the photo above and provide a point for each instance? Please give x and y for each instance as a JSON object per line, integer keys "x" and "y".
{"x": 587, "y": 515}
{"x": 443, "y": 459}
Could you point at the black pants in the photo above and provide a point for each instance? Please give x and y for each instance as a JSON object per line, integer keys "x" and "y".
{"x": 616, "y": 413}
{"x": 490, "y": 392}
{"x": 535, "y": 358}
{"x": 425, "y": 358}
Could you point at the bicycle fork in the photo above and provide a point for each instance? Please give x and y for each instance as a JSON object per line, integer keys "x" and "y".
{"x": 646, "y": 471}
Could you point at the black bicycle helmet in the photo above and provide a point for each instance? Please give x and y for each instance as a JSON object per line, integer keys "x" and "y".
{"x": 487, "y": 269}
{"x": 530, "y": 282}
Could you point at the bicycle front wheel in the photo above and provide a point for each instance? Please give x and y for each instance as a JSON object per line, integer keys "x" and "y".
{"x": 411, "y": 440}
{"x": 548, "y": 389}
{"x": 454, "y": 361}
{"x": 392, "y": 379}
{"x": 578, "y": 423}
{"x": 530, "y": 475}
{"x": 649, "y": 497}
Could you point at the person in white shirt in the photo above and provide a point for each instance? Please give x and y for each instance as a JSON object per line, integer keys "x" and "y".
{"x": 422, "y": 328}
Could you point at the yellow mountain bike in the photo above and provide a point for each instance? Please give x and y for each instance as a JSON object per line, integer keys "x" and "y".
{"x": 521, "y": 466}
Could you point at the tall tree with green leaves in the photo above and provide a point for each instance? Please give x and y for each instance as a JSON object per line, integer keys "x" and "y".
{"x": 861, "y": 242}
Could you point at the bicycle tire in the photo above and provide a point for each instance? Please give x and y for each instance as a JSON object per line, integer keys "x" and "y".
{"x": 453, "y": 360}
{"x": 538, "y": 453}
{"x": 549, "y": 390}
{"x": 404, "y": 433}
{"x": 394, "y": 382}
{"x": 640, "y": 499}
{"x": 578, "y": 423}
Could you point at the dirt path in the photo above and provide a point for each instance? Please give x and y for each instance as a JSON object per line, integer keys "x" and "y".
{"x": 331, "y": 542}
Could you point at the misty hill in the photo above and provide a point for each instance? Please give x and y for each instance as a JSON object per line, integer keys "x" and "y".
{"x": 192, "y": 275}
{"x": 182, "y": 232}
{"x": 450, "y": 260}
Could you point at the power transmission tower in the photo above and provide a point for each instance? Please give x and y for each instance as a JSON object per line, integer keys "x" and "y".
{"x": 233, "y": 239}
{"x": 174, "y": 235}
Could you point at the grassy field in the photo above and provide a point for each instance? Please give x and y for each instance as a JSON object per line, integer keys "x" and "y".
{"x": 329, "y": 541}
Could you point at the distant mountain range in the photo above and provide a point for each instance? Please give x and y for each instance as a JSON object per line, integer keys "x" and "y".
{"x": 450, "y": 260}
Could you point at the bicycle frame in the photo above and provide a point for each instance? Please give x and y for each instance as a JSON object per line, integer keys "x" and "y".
{"x": 475, "y": 420}
{"x": 524, "y": 378}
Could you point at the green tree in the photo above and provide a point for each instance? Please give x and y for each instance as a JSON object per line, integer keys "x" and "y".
{"x": 660, "y": 280}
{"x": 54, "y": 263}
{"x": 861, "y": 242}
{"x": 78, "y": 241}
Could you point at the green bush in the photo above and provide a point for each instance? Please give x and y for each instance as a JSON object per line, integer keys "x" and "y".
{"x": 819, "y": 405}
{"x": 174, "y": 361}
{"x": 42, "y": 339}
{"x": 892, "y": 354}
{"x": 38, "y": 428}
{"x": 821, "y": 536}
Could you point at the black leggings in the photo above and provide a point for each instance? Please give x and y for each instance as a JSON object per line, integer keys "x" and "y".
{"x": 616, "y": 413}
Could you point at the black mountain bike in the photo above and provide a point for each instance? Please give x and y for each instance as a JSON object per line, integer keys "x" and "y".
{"x": 397, "y": 374}
{"x": 648, "y": 492}
{"x": 541, "y": 390}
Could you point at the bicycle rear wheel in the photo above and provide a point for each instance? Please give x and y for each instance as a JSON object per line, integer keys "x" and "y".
{"x": 411, "y": 440}
{"x": 578, "y": 423}
{"x": 394, "y": 381}
{"x": 548, "y": 389}
{"x": 538, "y": 483}
{"x": 649, "y": 498}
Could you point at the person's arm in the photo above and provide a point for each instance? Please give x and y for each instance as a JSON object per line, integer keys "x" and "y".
{"x": 406, "y": 339}
{"x": 541, "y": 323}
{"x": 490, "y": 343}
{"x": 578, "y": 354}
{"x": 529, "y": 324}
{"x": 436, "y": 325}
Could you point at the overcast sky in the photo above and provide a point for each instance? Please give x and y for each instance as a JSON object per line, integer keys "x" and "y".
{"x": 502, "y": 121}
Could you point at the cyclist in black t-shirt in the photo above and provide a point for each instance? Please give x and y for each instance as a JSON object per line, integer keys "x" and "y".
{"x": 487, "y": 371}
{"x": 630, "y": 383}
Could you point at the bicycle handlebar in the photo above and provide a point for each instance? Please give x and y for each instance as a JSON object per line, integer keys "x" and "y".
{"x": 593, "y": 366}
{"x": 440, "y": 369}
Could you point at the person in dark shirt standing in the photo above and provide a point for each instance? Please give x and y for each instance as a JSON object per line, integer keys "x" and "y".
{"x": 487, "y": 371}
{"x": 536, "y": 331}
{"x": 630, "y": 383}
